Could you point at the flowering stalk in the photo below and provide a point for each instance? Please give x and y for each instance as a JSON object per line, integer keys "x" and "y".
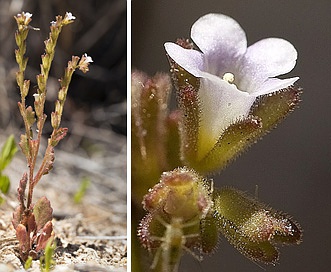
{"x": 33, "y": 222}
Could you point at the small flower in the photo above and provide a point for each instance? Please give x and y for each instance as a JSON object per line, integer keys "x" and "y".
{"x": 36, "y": 97}
{"x": 231, "y": 74}
{"x": 28, "y": 16}
{"x": 69, "y": 16}
{"x": 84, "y": 63}
{"x": 87, "y": 58}
{"x": 68, "y": 19}
{"x": 25, "y": 17}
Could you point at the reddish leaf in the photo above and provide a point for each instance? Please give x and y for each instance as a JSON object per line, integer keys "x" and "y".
{"x": 48, "y": 161}
{"x": 24, "y": 145}
{"x": 17, "y": 216}
{"x": 43, "y": 212}
{"x": 58, "y": 135}
{"x": 24, "y": 241}
{"x": 30, "y": 116}
{"x": 18, "y": 213}
{"x": 44, "y": 236}
{"x": 21, "y": 188}
{"x": 34, "y": 148}
{"x": 31, "y": 224}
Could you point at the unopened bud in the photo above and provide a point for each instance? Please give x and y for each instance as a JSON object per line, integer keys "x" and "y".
{"x": 252, "y": 227}
{"x": 180, "y": 193}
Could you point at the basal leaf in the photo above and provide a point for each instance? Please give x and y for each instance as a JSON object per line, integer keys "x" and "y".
{"x": 43, "y": 212}
{"x": 7, "y": 152}
{"x": 4, "y": 184}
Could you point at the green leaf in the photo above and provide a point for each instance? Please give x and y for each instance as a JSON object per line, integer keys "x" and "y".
{"x": 7, "y": 152}
{"x": 47, "y": 261}
{"x": 28, "y": 263}
{"x": 4, "y": 184}
{"x": 85, "y": 183}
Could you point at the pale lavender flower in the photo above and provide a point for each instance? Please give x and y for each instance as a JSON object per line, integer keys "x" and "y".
{"x": 69, "y": 16}
{"x": 87, "y": 58}
{"x": 84, "y": 63}
{"x": 26, "y": 15}
{"x": 231, "y": 74}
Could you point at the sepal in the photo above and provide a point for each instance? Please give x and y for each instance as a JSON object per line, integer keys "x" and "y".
{"x": 233, "y": 141}
{"x": 274, "y": 107}
{"x": 176, "y": 206}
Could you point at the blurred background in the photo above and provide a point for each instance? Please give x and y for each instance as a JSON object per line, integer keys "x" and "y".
{"x": 99, "y": 30}
{"x": 292, "y": 165}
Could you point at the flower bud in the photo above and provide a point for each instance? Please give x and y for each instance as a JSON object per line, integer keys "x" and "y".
{"x": 252, "y": 227}
{"x": 149, "y": 113}
{"x": 180, "y": 193}
{"x": 176, "y": 206}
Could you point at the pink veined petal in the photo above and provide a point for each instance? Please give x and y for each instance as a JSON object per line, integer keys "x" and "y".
{"x": 221, "y": 105}
{"x": 221, "y": 39}
{"x": 264, "y": 59}
{"x": 189, "y": 59}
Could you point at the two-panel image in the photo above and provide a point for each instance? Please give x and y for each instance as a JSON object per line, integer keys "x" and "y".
{"x": 165, "y": 136}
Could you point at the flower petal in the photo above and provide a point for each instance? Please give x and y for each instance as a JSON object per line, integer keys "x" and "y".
{"x": 189, "y": 59}
{"x": 221, "y": 105}
{"x": 266, "y": 58}
{"x": 274, "y": 84}
{"x": 221, "y": 39}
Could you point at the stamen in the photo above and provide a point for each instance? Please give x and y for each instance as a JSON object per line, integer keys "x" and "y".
{"x": 228, "y": 77}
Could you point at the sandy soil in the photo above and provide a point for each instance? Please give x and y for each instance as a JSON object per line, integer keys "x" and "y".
{"x": 91, "y": 236}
